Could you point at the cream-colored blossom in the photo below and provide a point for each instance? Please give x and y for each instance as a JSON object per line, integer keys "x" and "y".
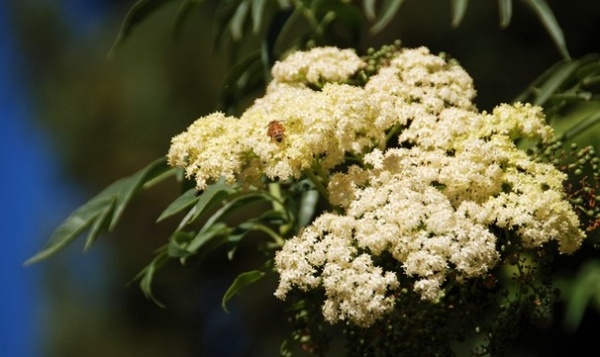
{"x": 417, "y": 86}
{"x": 207, "y": 150}
{"x": 536, "y": 208}
{"x": 319, "y": 125}
{"x": 324, "y": 255}
{"x": 357, "y": 291}
{"x": 317, "y": 66}
{"x": 433, "y": 203}
{"x": 517, "y": 121}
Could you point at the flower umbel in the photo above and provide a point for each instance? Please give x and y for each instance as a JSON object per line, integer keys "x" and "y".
{"x": 422, "y": 181}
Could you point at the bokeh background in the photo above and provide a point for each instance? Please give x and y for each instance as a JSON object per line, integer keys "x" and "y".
{"x": 73, "y": 121}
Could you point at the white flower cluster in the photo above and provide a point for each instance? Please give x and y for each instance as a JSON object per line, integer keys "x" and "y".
{"x": 325, "y": 255}
{"x": 432, "y": 203}
{"x": 321, "y": 64}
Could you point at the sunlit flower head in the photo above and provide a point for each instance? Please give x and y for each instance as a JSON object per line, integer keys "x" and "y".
{"x": 317, "y": 66}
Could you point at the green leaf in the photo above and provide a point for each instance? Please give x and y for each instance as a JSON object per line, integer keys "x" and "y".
{"x": 582, "y": 290}
{"x": 369, "y": 8}
{"x": 185, "y": 9}
{"x": 217, "y": 233}
{"x": 505, "y": 12}
{"x": 548, "y": 83}
{"x": 582, "y": 126}
{"x": 239, "y": 202}
{"x": 308, "y": 206}
{"x": 213, "y": 195}
{"x": 244, "y": 77}
{"x": 238, "y": 20}
{"x": 146, "y": 276}
{"x": 105, "y": 209}
{"x": 387, "y": 13}
{"x": 239, "y": 283}
{"x": 178, "y": 243}
{"x": 206, "y": 234}
{"x": 137, "y": 13}
{"x": 100, "y": 223}
{"x": 75, "y": 224}
{"x": 127, "y": 187}
{"x": 234, "y": 239}
{"x": 554, "y": 82}
{"x": 459, "y": 7}
{"x": 181, "y": 203}
{"x": 339, "y": 20}
{"x": 541, "y": 8}
{"x": 258, "y": 8}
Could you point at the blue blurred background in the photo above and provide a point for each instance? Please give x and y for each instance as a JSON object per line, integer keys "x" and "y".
{"x": 36, "y": 192}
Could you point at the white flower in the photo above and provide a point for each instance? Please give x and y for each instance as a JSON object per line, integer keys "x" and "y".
{"x": 432, "y": 205}
{"x": 356, "y": 290}
{"x": 318, "y": 65}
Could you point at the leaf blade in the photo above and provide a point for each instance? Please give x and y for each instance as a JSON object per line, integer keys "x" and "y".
{"x": 504, "y": 12}
{"x": 181, "y": 203}
{"x": 458, "y": 10}
{"x": 72, "y": 227}
{"x": 136, "y": 14}
{"x": 388, "y": 11}
{"x": 546, "y": 16}
{"x": 242, "y": 280}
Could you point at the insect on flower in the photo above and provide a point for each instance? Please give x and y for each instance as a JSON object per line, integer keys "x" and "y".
{"x": 276, "y": 130}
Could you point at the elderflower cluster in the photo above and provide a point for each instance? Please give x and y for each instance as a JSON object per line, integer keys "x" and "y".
{"x": 321, "y": 64}
{"x": 433, "y": 204}
{"x": 356, "y": 289}
{"x": 433, "y": 207}
{"x": 321, "y": 126}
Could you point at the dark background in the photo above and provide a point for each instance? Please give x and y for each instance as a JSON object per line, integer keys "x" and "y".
{"x": 73, "y": 121}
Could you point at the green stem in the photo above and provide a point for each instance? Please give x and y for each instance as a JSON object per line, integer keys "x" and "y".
{"x": 395, "y": 130}
{"x": 310, "y": 17}
{"x": 318, "y": 184}
{"x": 279, "y": 241}
{"x": 275, "y": 191}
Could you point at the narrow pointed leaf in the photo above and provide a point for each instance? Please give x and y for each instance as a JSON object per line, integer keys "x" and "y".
{"x": 213, "y": 196}
{"x": 202, "y": 238}
{"x": 258, "y": 8}
{"x": 308, "y": 206}
{"x": 239, "y": 283}
{"x": 146, "y": 276}
{"x": 548, "y": 83}
{"x": 582, "y": 126}
{"x": 105, "y": 207}
{"x": 225, "y": 11}
{"x": 73, "y": 226}
{"x": 239, "y": 19}
{"x": 178, "y": 243}
{"x": 369, "y": 8}
{"x": 546, "y": 16}
{"x": 137, "y": 13}
{"x": 389, "y": 8}
{"x": 100, "y": 223}
{"x": 182, "y": 202}
{"x": 242, "y": 201}
{"x": 505, "y": 12}
{"x": 553, "y": 83}
{"x": 128, "y": 187}
{"x": 585, "y": 288}
{"x": 459, "y": 7}
{"x": 183, "y": 12}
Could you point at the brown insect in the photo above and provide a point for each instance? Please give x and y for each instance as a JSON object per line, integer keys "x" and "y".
{"x": 276, "y": 130}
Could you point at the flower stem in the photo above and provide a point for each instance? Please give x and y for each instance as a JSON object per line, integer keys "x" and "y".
{"x": 318, "y": 184}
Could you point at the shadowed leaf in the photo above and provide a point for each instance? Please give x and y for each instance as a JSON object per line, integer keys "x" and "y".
{"x": 137, "y": 13}
{"x": 239, "y": 283}
{"x": 102, "y": 211}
